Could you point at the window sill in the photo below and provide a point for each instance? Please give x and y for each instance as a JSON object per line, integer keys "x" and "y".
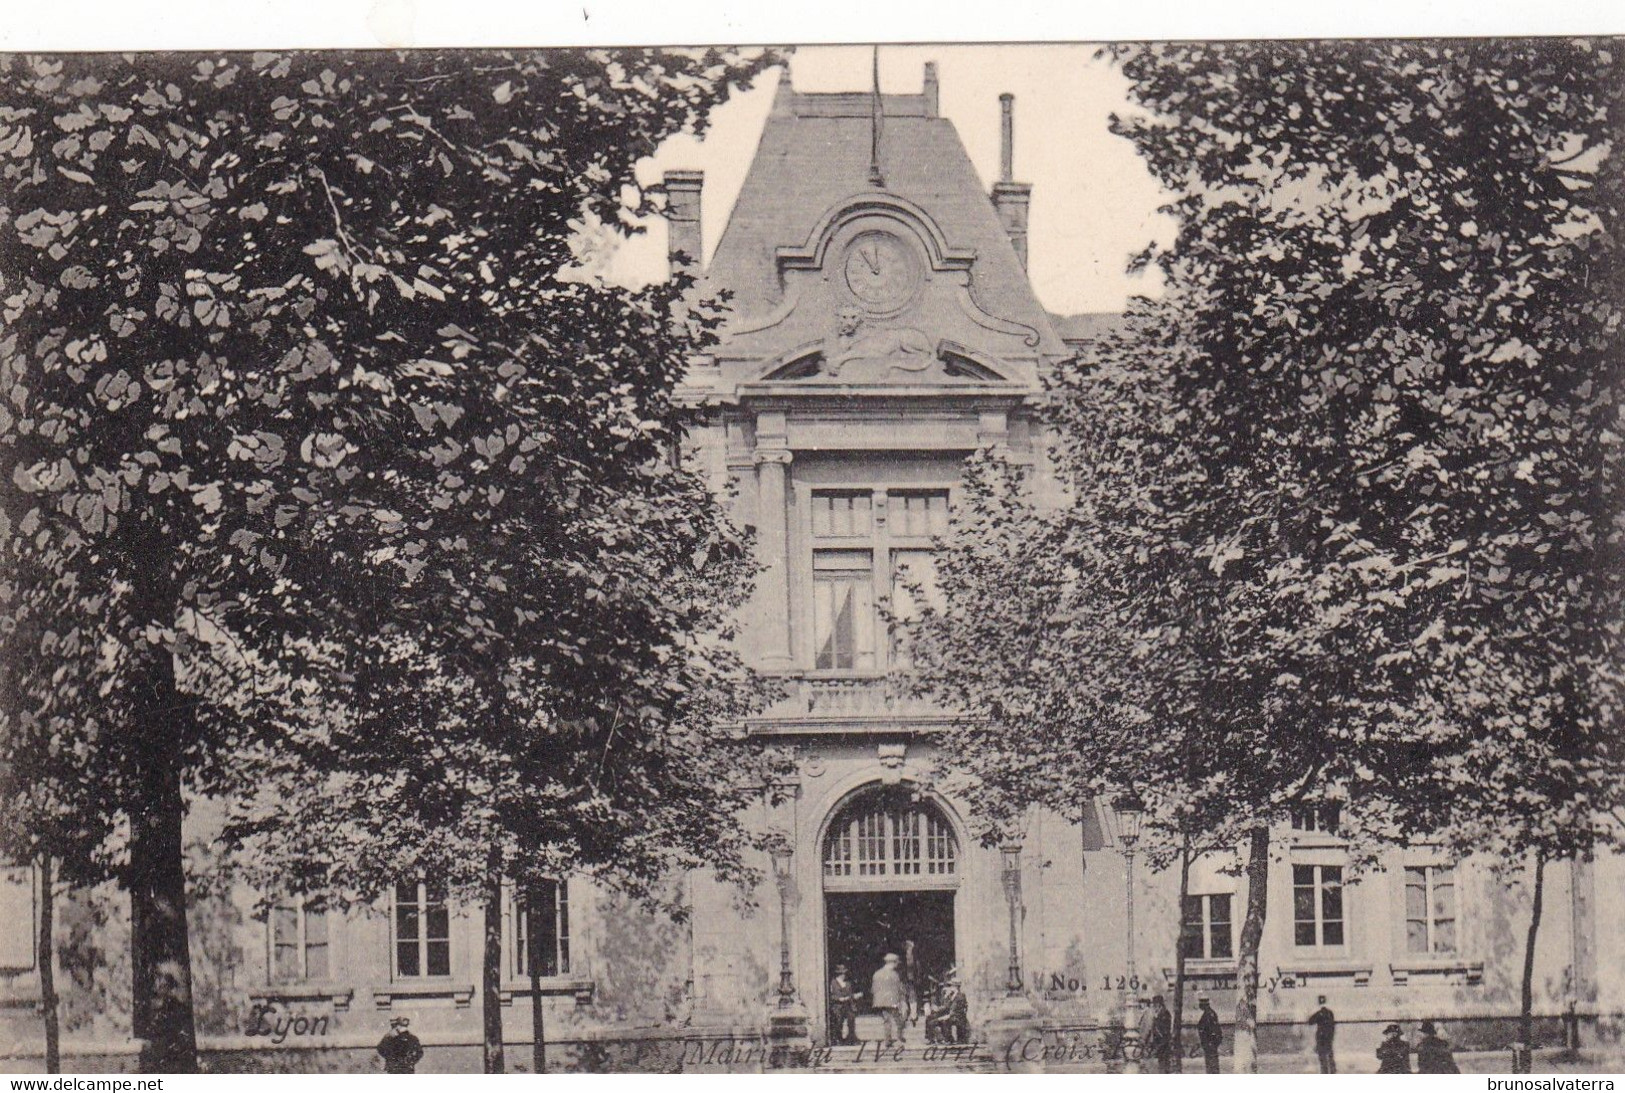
{"x": 312, "y": 991}
{"x": 553, "y": 985}
{"x": 460, "y": 993}
{"x": 1440, "y": 967}
{"x": 1306, "y": 967}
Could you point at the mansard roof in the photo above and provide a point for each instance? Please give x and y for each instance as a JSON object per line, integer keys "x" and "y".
{"x": 814, "y": 156}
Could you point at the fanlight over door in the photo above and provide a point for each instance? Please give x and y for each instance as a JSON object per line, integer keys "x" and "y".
{"x": 889, "y": 839}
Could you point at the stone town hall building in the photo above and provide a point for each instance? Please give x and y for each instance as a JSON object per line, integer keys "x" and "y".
{"x": 883, "y": 328}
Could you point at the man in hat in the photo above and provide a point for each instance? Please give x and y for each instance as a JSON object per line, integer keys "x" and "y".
{"x": 1393, "y": 1054}
{"x": 1157, "y": 1035}
{"x": 1433, "y": 1054}
{"x": 1208, "y": 1034}
{"x": 886, "y": 992}
{"x": 843, "y": 1007}
{"x": 949, "y": 1022}
{"x": 1325, "y": 1023}
{"x": 400, "y": 1050}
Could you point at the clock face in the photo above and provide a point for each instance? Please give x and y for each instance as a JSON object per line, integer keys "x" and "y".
{"x": 881, "y": 271}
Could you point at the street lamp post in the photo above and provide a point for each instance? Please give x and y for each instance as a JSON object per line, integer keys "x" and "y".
{"x": 1129, "y": 809}
{"x": 782, "y": 873}
{"x": 1012, "y": 896}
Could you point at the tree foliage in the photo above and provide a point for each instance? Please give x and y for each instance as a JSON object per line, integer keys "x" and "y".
{"x": 286, "y": 370}
{"x": 1341, "y": 513}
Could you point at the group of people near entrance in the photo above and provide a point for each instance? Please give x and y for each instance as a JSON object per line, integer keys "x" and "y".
{"x": 943, "y": 1009}
{"x": 1432, "y": 1051}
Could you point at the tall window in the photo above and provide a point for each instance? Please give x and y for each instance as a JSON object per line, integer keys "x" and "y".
{"x": 849, "y": 542}
{"x": 299, "y": 948}
{"x": 843, "y": 608}
{"x": 1207, "y": 927}
{"x": 1317, "y": 906}
{"x": 551, "y": 918}
{"x": 422, "y": 929}
{"x": 1430, "y": 909}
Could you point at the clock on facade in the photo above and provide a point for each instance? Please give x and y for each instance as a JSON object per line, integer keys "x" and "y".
{"x": 881, "y": 271}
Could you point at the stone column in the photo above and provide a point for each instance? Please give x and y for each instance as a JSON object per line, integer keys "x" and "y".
{"x": 772, "y": 513}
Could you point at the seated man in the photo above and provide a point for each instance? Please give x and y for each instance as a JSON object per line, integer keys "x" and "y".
{"x": 949, "y": 1022}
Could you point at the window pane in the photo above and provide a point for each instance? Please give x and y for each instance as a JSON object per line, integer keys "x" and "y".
{"x": 1303, "y": 904}
{"x": 1304, "y": 933}
{"x": 1219, "y": 943}
{"x": 439, "y": 925}
{"x": 1331, "y": 900}
{"x": 406, "y": 922}
{"x": 1444, "y": 895}
{"x": 406, "y": 958}
{"x": 439, "y": 957}
{"x": 315, "y": 927}
{"x": 1220, "y": 908}
{"x": 1303, "y": 874}
{"x": 316, "y": 961}
{"x": 1444, "y": 936}
{"x": 1333, "y": 933}
{"x": 1416, "y": 936}
{"x": 1415, "y": 893}
{"x": 284, "y": 926}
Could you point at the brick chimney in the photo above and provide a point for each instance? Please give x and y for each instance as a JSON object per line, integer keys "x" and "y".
{"x": 929, "y": 89}
{"x": 1011, "y": 199}
{"x": 683, "y": 219}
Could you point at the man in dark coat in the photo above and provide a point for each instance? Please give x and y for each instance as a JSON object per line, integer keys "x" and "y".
{"x": 1157, "y": 1038}
{"x": 949, "y": 1022}
{"x": 1325, "y": 1023}
{"x": 400, "y": 1050}
{"x": 843, "y": 1008}
{"x": 1393, "y": 1054}
{"x": 1209, "y": 1034}
{"x": 1433, "y": 1054}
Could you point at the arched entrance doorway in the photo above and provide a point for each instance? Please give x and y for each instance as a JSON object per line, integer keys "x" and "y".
{"x": 891, "y": 871}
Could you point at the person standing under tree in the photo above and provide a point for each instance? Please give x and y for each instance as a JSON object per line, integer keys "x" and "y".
{"x": 1325, "y": 1023}
{"x": 400, "y": 1050}
{"x": 1209, "y": 1034}
{"x": 886, "y": 993}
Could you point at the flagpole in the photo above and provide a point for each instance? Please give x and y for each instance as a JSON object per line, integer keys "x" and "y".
{"x": 878, "y": 113}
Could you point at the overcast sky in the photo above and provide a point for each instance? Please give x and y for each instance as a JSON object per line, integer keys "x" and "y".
{"x": 1093, "y": 202}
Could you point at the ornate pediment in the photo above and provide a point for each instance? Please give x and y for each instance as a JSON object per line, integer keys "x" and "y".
{"x": 861, "y": 353}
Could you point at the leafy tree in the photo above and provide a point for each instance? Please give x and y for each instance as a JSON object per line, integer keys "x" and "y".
{"x": 1341, "y": 513}
{"x": 251, "y": 305}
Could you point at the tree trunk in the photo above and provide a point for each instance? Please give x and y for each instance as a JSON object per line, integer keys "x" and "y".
{"x": 47, "y": 967}
{"x": 1526, "y": 1015}
{"x": 491, "y": 996}
{"x": 1179, "y": 956}
{"x": 1252, "y": 933}
{"x": 533, "y": 964}
{"x": 161, "y": 959}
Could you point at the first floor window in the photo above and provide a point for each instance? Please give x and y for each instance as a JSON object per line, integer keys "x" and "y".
{"x": 422, "y": 929}
{"x": 18, "y": 918}
{"x": 1317, "y": 906}
{"x": 843, "y": 609}
{"x": 298, "y": 943}
{"x": 1206, "y": 931}
{"x": 549, "y": 922}
{"x": 1321, "y": 818}
{"x": 1430, "y": 909}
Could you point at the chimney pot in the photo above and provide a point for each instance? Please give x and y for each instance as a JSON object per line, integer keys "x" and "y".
{"x": 683, "y": 240}
{"x": 1011, "y": 199}
{"x": 930, "y": 89}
